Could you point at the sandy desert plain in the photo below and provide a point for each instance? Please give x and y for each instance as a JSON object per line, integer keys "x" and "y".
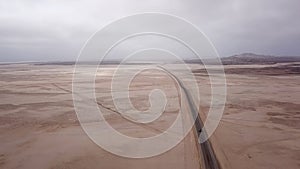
{"x": 260, "y": 127}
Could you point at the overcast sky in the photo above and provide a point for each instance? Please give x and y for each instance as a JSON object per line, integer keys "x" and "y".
{"x": 46, "y": 30}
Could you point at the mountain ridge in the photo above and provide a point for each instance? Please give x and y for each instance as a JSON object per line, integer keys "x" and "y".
{"x": 252, "y": 58}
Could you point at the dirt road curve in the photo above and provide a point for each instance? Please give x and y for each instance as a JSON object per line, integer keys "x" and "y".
{"x": 206, "y": 150}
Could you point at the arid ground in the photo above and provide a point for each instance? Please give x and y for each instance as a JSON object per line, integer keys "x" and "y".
{"x": 260, "y": 127}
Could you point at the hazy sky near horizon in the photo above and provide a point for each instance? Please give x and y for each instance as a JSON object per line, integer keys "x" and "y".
{"x": 49, "y": 30}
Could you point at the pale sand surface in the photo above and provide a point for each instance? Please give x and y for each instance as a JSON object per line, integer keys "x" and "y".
{"x": 39, "y": 128}
{"x": 260, "y": 127}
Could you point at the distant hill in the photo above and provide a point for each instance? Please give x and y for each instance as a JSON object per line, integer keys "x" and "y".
{"x": 251, "y": 58}
{"x": 240, "y": 59}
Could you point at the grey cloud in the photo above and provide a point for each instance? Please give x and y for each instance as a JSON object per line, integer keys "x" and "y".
{"x": 56, "y": 30}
